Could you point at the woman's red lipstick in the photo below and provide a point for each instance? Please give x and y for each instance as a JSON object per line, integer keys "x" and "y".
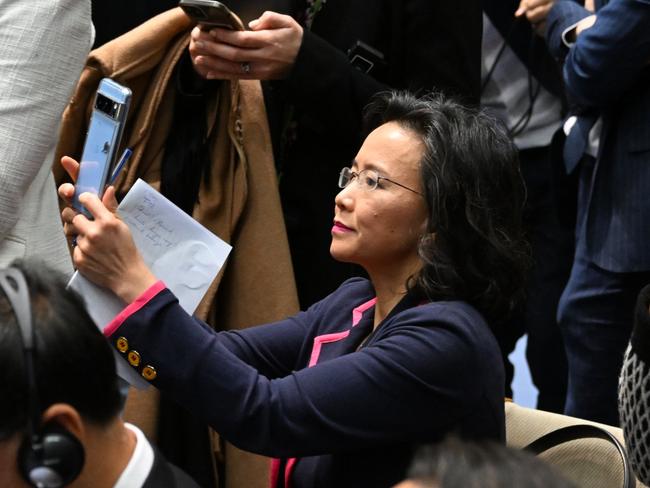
{"x": 339, "y": 227}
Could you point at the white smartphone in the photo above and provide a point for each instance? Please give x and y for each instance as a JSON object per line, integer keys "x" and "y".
{"x": 105, "y": 129}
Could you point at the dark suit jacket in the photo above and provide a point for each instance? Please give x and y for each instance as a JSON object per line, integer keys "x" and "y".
{"x": 606, "y": 73}
{"x": 165, "y": 475}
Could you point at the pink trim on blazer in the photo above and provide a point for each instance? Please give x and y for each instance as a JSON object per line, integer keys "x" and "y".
{"x": 357, "y": 314}
{"x": 133, "y": 307}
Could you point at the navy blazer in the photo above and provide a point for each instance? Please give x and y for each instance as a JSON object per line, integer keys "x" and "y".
{"x": 309, "y": 387}
{"x": 606, "y": 73}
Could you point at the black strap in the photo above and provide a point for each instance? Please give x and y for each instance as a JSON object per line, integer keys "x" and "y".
{"x": 582, "y": 431}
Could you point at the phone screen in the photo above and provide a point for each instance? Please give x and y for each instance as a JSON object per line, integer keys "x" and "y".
{"x": 97, "y": 155}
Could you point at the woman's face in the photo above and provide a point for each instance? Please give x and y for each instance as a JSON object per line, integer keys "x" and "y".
{"x": 381, "y": 228}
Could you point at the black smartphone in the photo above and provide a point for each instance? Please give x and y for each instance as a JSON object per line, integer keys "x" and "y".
{"x": 102, "y": 139}
{"x": 210, "y": 13}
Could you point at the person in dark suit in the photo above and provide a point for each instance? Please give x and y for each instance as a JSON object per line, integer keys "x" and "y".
{"x": 608, "y": 144}
{"x": 326, "y": 61}
{"x": 522, "y": 87}
{"x": 60, "y": 404}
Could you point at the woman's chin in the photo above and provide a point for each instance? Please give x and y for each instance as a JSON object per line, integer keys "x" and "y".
{"x": 340, "y": 254}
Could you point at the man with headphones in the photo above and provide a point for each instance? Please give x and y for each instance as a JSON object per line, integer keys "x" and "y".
{"x": 60, "y": 405}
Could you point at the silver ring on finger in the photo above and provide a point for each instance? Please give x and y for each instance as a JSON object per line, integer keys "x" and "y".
{"x": 245, "y": 67}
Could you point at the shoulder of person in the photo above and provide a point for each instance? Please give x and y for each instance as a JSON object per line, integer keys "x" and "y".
{"x": 451, "y": 319}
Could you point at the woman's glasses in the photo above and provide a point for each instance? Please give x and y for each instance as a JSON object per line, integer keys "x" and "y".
{"x": 367, "y": 179}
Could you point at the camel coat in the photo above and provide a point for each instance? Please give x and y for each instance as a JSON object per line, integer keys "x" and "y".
{"x": 240, "y": 203}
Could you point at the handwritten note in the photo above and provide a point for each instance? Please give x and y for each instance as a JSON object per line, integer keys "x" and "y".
{"x": 178, "y": 250}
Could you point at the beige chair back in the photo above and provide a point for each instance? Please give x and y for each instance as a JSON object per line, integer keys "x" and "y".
{"x": 589, "y": 463}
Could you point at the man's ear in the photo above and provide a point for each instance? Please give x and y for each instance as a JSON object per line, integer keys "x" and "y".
{"x": 67, "y": 417}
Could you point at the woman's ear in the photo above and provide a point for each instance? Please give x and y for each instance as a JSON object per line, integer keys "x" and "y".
{"x": 425, "y": 230}
{"x": 424, "y": 227}
{"x": 67, "y": 417}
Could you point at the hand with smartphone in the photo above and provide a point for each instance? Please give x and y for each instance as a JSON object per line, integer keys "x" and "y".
{"x": 104, "y": 251}
{"x": 265, "y": 52}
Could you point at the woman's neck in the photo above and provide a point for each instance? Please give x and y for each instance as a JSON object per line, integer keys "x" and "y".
{"x": 390, "y": 288}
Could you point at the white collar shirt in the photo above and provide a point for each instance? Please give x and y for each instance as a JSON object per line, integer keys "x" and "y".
{"x": 136, "y": 472}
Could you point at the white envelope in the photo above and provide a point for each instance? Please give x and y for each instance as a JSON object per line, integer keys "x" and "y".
{"x": 178, "y": 250}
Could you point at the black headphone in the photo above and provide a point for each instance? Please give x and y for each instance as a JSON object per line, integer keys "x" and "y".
{"x": 49, "y": 457}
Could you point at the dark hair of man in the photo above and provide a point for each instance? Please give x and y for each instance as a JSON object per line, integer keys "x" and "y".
{"x": 474, "y": 248}
{"x": 459, "y": 464}
{"x": 73, "y": 363}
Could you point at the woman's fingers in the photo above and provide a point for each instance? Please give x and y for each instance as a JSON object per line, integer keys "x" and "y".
{"x": 271, "y": 20}
{"x": 67, "y": 216}
{"x": 222, "y": 69}
{"x": 71, "y": 167}
{"x": 217, "y": 64}
{"x": 109, "y": 199}
{"x": 66, "y": 192}
{"x": 94, "y": 205}
{"x": 241, "y": 39}
{"x": 535, "y": 10}
{"x": 538, "y": 14}
{"x": 199, "y": 34}
{"x": 230, "y": 52}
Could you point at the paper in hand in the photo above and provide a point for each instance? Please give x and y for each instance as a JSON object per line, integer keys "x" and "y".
{"x": 179, "y": 251}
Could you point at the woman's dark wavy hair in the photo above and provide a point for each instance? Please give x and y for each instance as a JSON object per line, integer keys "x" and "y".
{"x": 473, "y": 249}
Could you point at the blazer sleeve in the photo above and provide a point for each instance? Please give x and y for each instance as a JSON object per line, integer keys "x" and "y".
{"x": 634, "y": 391}
{"x": 43, "y": 46}
{"x": 412, "y": 383}
{"x": 563, "y": 15}
{"x": 606, "y": 59}
{"x": 439, "y": 48}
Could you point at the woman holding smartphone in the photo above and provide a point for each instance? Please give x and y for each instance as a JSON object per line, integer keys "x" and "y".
{"x": 341, "y": 393}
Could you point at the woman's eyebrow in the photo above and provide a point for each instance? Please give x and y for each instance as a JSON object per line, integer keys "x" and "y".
{"x": 372, "y": 166}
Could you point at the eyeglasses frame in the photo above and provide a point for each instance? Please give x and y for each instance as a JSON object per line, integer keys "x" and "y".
{"x": 355, "y": 174}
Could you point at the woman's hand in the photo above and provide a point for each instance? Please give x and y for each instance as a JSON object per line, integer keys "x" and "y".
{"x": 104, "y": 252}
{"x": 266, "y": 52}
{"x": 536, "y": 12}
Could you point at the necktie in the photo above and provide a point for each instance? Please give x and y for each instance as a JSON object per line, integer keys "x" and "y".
{"x": 576, "y": 141}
